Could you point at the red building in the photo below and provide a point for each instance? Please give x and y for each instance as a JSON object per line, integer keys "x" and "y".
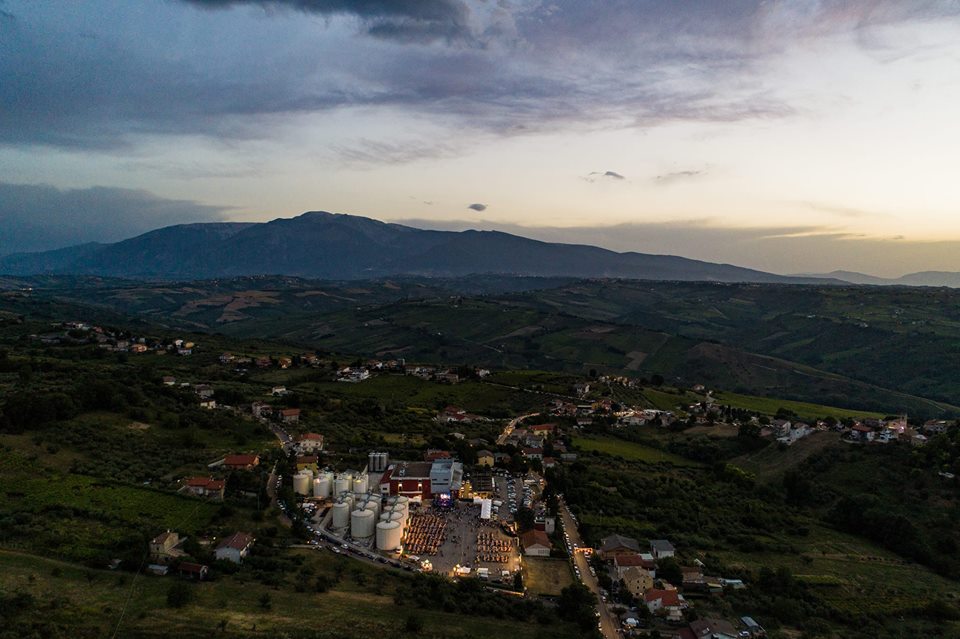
{"x": 410, "y": 479}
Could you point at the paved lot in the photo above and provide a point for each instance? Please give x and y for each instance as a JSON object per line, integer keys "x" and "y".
{"x": 460, "y": 545}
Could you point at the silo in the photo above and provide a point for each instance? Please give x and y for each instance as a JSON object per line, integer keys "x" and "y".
{"x": 301, "y": 483}
{"x": 323, "y": 483}
{"x": 360, "y": 483}
{"x": 361, "y": 524}
{"x": 384, "y": 461}
{"x": 388, "y": 536}
{"x": 343, "y": 483}
{"x": 399, "y": 518}
{"x": 372, "y": 461}
{"x": 403, "y": 503}
{"x": 341, "y": 515}
{"x": 374, "y": 505}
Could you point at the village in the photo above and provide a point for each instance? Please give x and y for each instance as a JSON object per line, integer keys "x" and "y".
{"x": 494, "y": 518}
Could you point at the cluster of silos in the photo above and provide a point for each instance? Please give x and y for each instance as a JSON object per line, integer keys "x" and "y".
{"x": 323, "y": 485}
{"x": 378, "y": 462}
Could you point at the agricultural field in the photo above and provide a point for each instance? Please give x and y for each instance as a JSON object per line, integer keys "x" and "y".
{"x": 631, "y": 451}
{"x": 803, "y": 410}
{"x": 546, "y": 576}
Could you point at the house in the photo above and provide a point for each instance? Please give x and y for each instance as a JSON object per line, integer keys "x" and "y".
{"x": 542, "y": 430}
{"x": 535, "y": 543}
{"x": 284, "y": 362}
{"x": 614, "y": 545}
{"x": 485, "y": 458}
{"x": 158, "y": 569}
{"x": 204, "y": 487}
{"x": 190, "y": 570}
{"x": 533, "y": 453}
{"x": 203, "y": 391}
{"x": 666, "y": 600}
{"x": 549, "y": 462}
{"x": 290, "y": 415}
{"x": 165, "y": 547}
{"x": 501, "y": 458}
{"x": 308, "y": 462}
{"x": 241, "y": 461}
{"x": 710, "y": 628}
{"x": 169, "y": 380}
{"x": 279, "y": 391}
{"x": 226, "y": 358}
{"x": 235, "y": 547}
{"x": 935, "y": 427}
{"x": 661, "y": 548}
{"x": 861, "y": 432}
{"x": 581, "y": 389}
{"x": 434, "y": 454}
{"x": 208, "y": 404}
{"x": 637, "y": 580}
{"x": 263, "y": 362}
{"x": 625, "y": 561}
{"x": 310, "y": 442}
{"x": 452, "y": 414}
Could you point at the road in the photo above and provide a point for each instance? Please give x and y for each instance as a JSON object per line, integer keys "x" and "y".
{"x": 608, "y": 623}
{"x": 508, "y": 429}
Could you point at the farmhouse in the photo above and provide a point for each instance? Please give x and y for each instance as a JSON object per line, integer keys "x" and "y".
{"x": 235, "y": 547}
{"x": 241, "y": 461}
{"x": 165, "y": 547}
{"x": 637, "y": 581}
{"x": 204, "y": 487}
{"x": 667, "y": 600}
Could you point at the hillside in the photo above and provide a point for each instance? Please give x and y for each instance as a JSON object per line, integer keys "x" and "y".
{"x": 335, "y": 246}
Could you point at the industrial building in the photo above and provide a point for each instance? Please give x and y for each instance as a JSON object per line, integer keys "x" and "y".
{"x": 423, "y": 480}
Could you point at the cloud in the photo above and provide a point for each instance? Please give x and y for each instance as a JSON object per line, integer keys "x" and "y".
{"x": 39, "y": 217}
{"x": 679, "y": 176}
{"x": 367, "y": 152}
{"x": 842, "y": 211}
{"x": 504, "y": 68}
{"x": 476, "y": 206}
{"x": 603, "y": 175}
{"x": 404, "y": 20}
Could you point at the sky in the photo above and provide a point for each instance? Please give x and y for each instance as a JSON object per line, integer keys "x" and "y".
{"x": 785, "y": 135}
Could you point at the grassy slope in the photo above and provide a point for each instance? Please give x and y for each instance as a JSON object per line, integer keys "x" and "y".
{"x": 93, "y": 607}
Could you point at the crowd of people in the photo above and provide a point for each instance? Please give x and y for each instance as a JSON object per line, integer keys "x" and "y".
{"x": 425, "y": 534}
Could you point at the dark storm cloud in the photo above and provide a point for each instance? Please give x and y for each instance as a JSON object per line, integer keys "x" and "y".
{"x": 38, "y": 217}
{"x": 404, "y": 20}
{"x": 73, "y": 80}
{"x": 476, "y": 206}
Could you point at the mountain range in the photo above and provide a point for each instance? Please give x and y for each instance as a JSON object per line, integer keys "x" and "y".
{"x": 337, "y": 246}
{"x": 325, "y": 245}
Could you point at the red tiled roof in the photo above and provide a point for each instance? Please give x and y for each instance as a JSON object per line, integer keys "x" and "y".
{"x": 237, "y": 541}
{"x": 241, "y": 460}
{"x": 289, "y": 412}
{"x": 666, "y": 597}
{"x": 534, "y": 538}
{"x": 311, "y": 437}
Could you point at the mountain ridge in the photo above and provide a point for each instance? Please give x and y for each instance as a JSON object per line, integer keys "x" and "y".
{"x": 327, "y": 245}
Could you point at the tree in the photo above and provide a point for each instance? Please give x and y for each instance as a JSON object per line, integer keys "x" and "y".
{"x": 179, "y": 594}
{"x": 669, "y": 570}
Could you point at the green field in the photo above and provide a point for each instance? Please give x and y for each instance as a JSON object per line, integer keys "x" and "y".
{"x": 630, "y": 451}
{"x": 546, "y": 576}
{"x": 93, "y": 603}
{"x": 804, "y": 410}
